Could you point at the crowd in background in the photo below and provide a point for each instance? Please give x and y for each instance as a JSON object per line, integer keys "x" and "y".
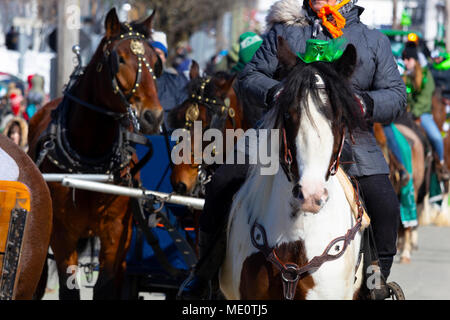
{"x": 18, "y": 103}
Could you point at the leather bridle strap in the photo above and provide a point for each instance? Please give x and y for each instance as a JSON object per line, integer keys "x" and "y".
{"x": 139, "y": 51}
{"x": 114, "y": 115}
{"x": 291, "y": 272}
{"x": 335, "y": 165}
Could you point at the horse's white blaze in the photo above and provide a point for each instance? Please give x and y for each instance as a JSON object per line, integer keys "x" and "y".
{"x": 267, "y": 199}
{"x": 9, "y": 171}
{"x": 314, "y": 149}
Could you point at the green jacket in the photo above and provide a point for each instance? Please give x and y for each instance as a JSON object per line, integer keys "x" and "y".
{"x": 419, "y": 101}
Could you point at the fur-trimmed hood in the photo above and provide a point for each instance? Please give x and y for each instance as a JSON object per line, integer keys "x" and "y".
{"x": 293, "y": 12}
{"x": 289, "y": 12}
{"x": 23, "y": 128}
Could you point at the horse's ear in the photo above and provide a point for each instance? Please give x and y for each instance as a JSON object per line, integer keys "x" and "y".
{"x": 194, "y": 72}
{"x": 148, "y": 23}
{"x": 347, "y": 63}
{"x": 285, "y": 55}
{"x": 112, "y": 24}
{"x": 226, "y": 85}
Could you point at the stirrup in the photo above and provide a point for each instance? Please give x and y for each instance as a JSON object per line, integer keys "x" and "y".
{"x": 395, "y": 291}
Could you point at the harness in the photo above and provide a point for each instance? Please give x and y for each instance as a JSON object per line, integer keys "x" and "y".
{"x": 219, "y": 108}
{"x": 54, "y": 144}
{"x": 220, "y": 111}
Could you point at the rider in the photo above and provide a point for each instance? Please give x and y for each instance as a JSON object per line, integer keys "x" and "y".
{"x": 382, "y": 94}
{"x": 420, "y": 87}
{"x": 172, "y": 87}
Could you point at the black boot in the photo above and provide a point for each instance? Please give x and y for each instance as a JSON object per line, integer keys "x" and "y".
{"x": 381, "y": 290}
{"x": 198, "y": 285}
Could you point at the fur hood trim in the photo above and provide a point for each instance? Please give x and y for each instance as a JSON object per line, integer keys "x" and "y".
{"x": 289, "y": 12}
{"x": 23, "y": 128}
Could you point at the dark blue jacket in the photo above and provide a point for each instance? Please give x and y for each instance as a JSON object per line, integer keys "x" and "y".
{"x": 172, "y": 91}
{"x": 376, "y": 74}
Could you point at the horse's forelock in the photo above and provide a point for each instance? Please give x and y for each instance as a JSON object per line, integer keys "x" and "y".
{"x": 340, "y": 106}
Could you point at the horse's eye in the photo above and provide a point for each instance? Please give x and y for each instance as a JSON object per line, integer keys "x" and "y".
{"x": 121, "y": 60}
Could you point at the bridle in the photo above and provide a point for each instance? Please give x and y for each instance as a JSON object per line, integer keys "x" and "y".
{"x": 290, "y": 272}
{"x": 54, "y": 140}
{"x": 286, "y": 159}
{"x": 111, "y": 58}
{"x": 220, "y": 110}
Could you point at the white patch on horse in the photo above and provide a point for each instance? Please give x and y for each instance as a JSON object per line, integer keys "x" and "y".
{"x": 268, "y": 199}
{"x": 9, "y": 170}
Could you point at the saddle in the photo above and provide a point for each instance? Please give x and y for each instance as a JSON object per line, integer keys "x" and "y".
{"x": 350, "y": 194}
{"x": 15, "y": 201}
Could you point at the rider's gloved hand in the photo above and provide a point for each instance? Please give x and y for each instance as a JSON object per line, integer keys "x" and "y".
{"x": 366, "y": 104}
{"x": 273, "y": 94}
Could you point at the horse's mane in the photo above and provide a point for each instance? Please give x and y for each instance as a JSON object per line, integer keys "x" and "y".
{"x": 340, "y": 107}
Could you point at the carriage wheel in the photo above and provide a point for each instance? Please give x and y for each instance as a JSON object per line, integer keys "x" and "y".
{"x": 396, "y": 292}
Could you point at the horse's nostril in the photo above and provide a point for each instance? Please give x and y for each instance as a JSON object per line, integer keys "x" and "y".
{"x": 180, "y": 188}
{"x": 297, "y": 192}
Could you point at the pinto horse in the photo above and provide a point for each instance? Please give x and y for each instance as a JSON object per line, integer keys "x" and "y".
{"x": 89, "y": 130}
{"x": 213, "y": 102}
{"x": 39, "y": 221}
{"x": 296, "y": 213}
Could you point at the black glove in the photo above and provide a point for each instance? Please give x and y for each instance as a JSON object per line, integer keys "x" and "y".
{"x": 273, "y": 94}
{"x": 366, "y": 103}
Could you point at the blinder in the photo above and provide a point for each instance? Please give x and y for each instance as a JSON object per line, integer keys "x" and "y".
{"x": 112, "y": 59}
{"x": 158, "y": 68}
{"x": 114, "y": 62}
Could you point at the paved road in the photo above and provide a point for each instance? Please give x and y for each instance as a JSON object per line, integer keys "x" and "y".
{"x": 427, "y": 277}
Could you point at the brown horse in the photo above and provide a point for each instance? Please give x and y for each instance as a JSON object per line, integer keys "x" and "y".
{"x": 88, "y": 131}
{"x": 210, "y": 100}
{"x": 38, "y": 225}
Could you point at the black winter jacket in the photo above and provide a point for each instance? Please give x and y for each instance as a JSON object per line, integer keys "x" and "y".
{"x": 376, "y": 75}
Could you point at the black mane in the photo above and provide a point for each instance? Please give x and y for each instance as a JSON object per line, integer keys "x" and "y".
{"x": 341, "y": 107}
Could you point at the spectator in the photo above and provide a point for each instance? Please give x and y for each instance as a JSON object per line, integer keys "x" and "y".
{"x": 12, "y": 39}
{"x": 17, "y": 130}
{"x": 171, "y": 86}
{"x": 249, "y": 43}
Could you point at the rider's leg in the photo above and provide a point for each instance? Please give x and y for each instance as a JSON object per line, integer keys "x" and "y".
{"x": 392, "y": 143}
{"x": 384, "y": 210}
{"x": 433, "y": 134}
{"x": 396, "y": 149}
{"x": 225, "y": 182}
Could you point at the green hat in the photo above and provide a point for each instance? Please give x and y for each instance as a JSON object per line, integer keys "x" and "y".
{"x": 249, "y": 43}
{"x": 322, "y": 50}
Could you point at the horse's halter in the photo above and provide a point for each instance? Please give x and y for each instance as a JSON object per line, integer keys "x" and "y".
{"x": 221, "y": 110}
{"x": 112, "y": 59}
{"x": 287, "y": 160}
